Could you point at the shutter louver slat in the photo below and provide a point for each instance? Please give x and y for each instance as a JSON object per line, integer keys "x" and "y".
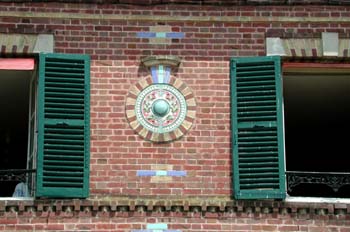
{"x": 253, "y": 74}
{"x": 254, "y": 83}
{"x": 73, "y": 86}
{"x": 255, "y": 108}
{"x": 258, "y": 154}
{"x": 255, "y": 88}
{"x": 64, "y": 127}
{"x": 66, "y": 105}
{"x": 61, "y": 170}
{"x": 61, "y": 63}
{"x": 66, "y": 173}
{"x": 66, "y": 152}
{"x": 257, "y": 175}
{"x": 64, "y": 80}
{"x": 62, "y": 74}
{"x": 255, "y": 99}
{"x": 62, "y": 184}
{"x": 251, "y": 79}
{"x": 51, "y": 100}
{"x": 65, "y": 95}
{"x": 255, "y": 67}
{"x": 260, "y": 180}
{"x": 68, "y": 142}
{"x": 57, "y": 89}
{"x": 257, "y": 159}
{"x": 256, "y": 93}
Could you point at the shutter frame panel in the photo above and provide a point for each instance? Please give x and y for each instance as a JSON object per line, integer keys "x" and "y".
{"x": 63, "y": 126}
{"x": 257, "y": 128}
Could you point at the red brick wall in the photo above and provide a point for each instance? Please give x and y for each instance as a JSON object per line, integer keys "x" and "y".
{"x": 205, "y": 152}
{"x": 117, "y": 153}
{"x": 194, "y": 223}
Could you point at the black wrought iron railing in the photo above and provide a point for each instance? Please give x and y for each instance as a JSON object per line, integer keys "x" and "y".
{"x": 20, "y": 175}
{"x": 334, "y": 180}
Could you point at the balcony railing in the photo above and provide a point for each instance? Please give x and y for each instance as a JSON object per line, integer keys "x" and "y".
{"x": 334, "y": 180}
{"x": 20, "y": 175}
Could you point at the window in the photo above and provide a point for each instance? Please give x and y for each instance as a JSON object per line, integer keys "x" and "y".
{"x": 46, "y": 133}
{"x": 316, "y": 103}
{"x": 295, "y": 120}
{"x": 14, "y": 103}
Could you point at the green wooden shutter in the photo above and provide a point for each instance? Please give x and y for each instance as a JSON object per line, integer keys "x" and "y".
{"x": 257, "y": 127}
{"x": 63, "y": 126}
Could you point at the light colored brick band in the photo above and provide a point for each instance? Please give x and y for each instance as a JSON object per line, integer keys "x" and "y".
{"x": 164, "y": 18}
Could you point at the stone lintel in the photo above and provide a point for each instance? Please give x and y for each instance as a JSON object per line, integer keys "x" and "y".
{"x": 26, "y": 43}
{"x": 171, "y": 61}
{"x": 330, "y": 42}
{"x": 274, "y": 47}
{"x": 329, "y": 46}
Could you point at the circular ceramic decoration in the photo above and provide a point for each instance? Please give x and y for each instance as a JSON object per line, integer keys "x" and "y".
{"x": 160, "y": 112}
{"x": 160, "y": 108}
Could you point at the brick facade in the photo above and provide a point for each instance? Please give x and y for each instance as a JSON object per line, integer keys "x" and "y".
{"x": 202, "y": 200}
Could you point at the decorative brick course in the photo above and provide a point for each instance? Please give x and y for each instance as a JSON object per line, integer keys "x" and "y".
{"x": 178, "y": 214}
{"x": 200, "y": 3}
{"x": 207, "y": 207}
